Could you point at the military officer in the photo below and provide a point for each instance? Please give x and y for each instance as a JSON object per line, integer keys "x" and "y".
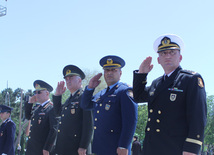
{"x": 176, "y": 102}
{"x": 7, "y": 131}
{"x": 43, "y": 128}
{"x": 115, "y": 112}
{"x": 76, "y": 125}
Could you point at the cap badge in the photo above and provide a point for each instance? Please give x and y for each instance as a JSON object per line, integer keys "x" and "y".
{"x": 38, "y": 86}
{"x": 109, "y": 61}
{"x": 68, "y": 71}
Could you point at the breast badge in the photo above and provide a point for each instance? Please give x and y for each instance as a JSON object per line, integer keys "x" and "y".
{"x": 107, "y": 107}
{"x": 173, "y": 97}
{"x": 72, "y": 111}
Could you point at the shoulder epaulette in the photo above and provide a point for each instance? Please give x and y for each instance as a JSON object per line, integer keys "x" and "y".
{"x": 188, "y": 72}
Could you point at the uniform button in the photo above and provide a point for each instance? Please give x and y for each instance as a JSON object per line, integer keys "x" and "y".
{"x": 75, "y": 135}
{"x": 198, "y": 136}
{"x": 158, "y": 121}
{"x": 148, "y": 129}
{"x": 95, "y": 119}
{"x": 65, "y": 108}
{"x": 159, "y": 112}
{"x": 98, "y": 111}
{"x": 29, "y": 137}
{"x": 33, "y": 119}
{"x": 157, "y": 130}
{"x": 31, "y": 125}
{"x": 60, "y": 122}
{"x": 112, "y": 130}
{"x": 95, "y": 127}
{"x": 58, "y": 130}
{"x": 109, "y": 101}
{"x": 149, "y": 119}
{"x": 62, "y": 115}
{"x": 150, "y": 110}
{"x": 100, "y": 104}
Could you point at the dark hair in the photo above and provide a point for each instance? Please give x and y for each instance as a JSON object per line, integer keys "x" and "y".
{"x": 136, "y": 137}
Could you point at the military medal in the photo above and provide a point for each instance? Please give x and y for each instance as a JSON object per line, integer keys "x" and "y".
{"x": 107, "y": 107}
{"x": 173, "y": 97}
{"x": 72, "y": 111}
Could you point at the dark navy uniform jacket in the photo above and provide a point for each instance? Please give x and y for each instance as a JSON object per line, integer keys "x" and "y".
{"x": 176, "y": 112}
{"x": 115, "y": 118}
{"x": 43, "y": 128}
{"x": 7, "y": 136}
{"x": 75, "y": 126}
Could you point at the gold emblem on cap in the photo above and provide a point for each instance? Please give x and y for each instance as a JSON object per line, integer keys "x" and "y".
{"x": 200, "y": 82}
{"x": 68, "y": 71}
{"x": 166, "y": 43}
{"x": 109, "y": 61}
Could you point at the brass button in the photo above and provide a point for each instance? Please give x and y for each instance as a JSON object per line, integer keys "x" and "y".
{"x": 63, "y": 115}
{"x": 95, "y": 119}
{"x": 29, "y": 137}
{"x": 148, "y": 129}
{"x": 150, "y": 110}
{"x": 65, "y": 108}
{"x": 95, "y": 127}
{"x": 75, "y": 135}
{"x": 112, "y": 130}
{"x": 198, "y": 136}
{"x": 157, "y": 130}
{"x": 60, "y": 122}
{"x": 159, "y": 112}
{"x": 149, "y": 119}
{"x": 98, "y": 111}
{"x": 33, "y": 119}
{"x": 100, "y": 104}
{"x": 158, "y": 121}
{"x": 58, "y": 130}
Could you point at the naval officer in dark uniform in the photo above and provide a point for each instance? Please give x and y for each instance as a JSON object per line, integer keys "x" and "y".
{"x": 43, "y": 127}
{"x": 115, "y": 112}
{"x": 76, "y": 125}
{"x": 7, "y": 131}
{"x": 176, "y": 102}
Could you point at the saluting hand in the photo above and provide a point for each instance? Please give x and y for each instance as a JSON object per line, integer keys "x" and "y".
{"x": 60, "y": 89}
{"x": 32, "y": 99}
{"x": 94, "y": 82}
{"x": 146, "y": 65}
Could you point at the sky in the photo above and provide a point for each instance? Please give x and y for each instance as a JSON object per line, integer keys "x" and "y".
{"x": 39, "y": 38}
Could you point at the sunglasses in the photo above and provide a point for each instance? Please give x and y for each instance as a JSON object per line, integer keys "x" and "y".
{"x": 37, "y": 92}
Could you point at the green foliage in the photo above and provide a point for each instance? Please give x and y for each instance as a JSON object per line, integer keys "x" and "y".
{"x": 209, "y": 131}
{"x": 142, "y": 120}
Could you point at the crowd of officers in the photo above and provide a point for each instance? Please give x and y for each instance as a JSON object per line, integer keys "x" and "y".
{"x": 105, "y": 123}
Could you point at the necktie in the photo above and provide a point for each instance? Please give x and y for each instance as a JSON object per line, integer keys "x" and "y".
{"x": 165, "y": 77}
{"x": 107, "y": 90}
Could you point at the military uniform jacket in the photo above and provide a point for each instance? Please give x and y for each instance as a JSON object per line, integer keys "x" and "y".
{"x": 7, "y": 136}
{"x": 75, "y": 126}
{"x": 176, "y": 112}
{"x": 43, "y": 128}
{"x": 115, "y": 118}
